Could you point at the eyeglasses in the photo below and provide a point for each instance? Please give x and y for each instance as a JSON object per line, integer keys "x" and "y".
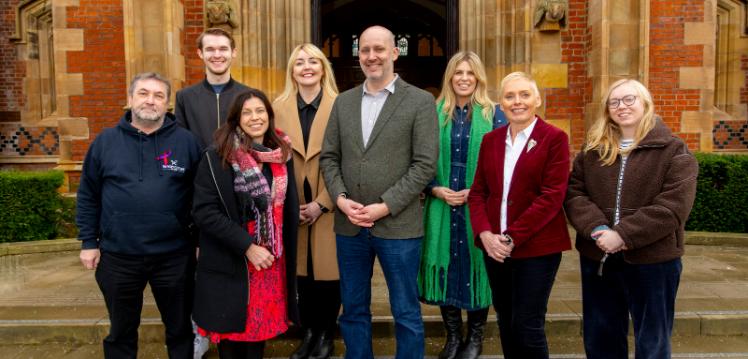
{"x": 627, "y": 100}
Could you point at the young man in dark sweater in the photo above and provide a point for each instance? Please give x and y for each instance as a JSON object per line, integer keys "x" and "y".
{"x": 203, "y": 107}
{"x": 134, "y": 218}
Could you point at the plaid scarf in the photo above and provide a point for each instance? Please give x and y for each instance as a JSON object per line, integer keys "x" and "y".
{"x": 261, "y": 203}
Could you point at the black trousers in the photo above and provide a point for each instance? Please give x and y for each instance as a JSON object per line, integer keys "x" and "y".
{"x": 520, "y": 289}
{"x": 319, "y": 300}
{"x": 122, "y": 279}
{"x": 319, "y": 303}
{"x": 229, "y": 349}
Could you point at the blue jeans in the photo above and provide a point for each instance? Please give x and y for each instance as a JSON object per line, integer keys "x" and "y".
{"x": 646, "y": 291}
{"x": 521, "y": 288}
{"x": 400, "y": 259}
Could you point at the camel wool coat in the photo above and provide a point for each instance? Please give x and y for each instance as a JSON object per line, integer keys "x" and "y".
{"x": 306, "y": 165}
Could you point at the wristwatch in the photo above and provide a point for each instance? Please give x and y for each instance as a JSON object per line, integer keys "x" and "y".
{"x": 323, "y": 208}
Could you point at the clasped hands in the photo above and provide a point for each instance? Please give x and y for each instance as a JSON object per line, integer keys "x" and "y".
{"x": 451, "y": 197}
{"x": 497, "y": 246}
{"x": 360, "y": 215}
{"x": 309, "y": 212}
{"x": 609, "y": 241}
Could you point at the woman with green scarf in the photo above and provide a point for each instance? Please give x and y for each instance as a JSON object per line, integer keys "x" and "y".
{"x": 453, "y": 274}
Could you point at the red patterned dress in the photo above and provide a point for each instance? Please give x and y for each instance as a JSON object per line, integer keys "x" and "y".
{"x": 266, "y": 311}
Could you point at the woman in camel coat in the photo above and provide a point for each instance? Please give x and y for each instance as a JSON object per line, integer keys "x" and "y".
{"x": 302, "y": 111}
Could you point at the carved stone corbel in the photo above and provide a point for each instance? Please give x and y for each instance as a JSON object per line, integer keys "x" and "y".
{"x": 550, "y": 15}
{"x": 221, "y": 14}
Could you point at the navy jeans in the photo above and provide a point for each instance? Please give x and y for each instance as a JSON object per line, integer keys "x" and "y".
{"x": 520, "y": 289}
{"x": 400, "y": 259}
{"x": 646, "y": 291}
{"x": 122, "y": 279}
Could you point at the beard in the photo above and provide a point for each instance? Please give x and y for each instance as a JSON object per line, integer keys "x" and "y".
{"x": 144, "y": 115}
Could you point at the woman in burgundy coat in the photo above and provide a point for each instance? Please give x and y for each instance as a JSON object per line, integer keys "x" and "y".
{"x": 516, "y": 211}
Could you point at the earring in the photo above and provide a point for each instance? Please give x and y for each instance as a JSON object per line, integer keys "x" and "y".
{"x": 239, "y": 132}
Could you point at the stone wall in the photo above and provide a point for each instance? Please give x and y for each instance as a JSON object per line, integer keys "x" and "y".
{"x": 668, "y": 44}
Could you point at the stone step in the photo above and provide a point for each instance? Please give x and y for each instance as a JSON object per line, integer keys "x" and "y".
{"x": 89, "y": 324}
{"x": 560, "y": 347}
{"x": 55, "y": 327}
{"x": 47, "y": 300}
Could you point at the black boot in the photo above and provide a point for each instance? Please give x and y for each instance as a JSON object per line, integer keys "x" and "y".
{"x": 306, "y": 346}
{"x": 474, "y": 343}
{"x": 323, "y": 346}
{"x": 453, "y": 324}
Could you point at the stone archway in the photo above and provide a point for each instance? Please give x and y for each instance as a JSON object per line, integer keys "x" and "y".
{"x": 425, "y": 30}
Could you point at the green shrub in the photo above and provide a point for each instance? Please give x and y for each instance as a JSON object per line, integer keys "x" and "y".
{"x": 66, "y": 227}
{"x": 31, "y": 205}
{"x": 721, "y": 203}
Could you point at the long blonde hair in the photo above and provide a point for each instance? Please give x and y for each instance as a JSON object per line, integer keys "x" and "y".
{"x": 328, "y": 77}
{"x": 479, "y": 96}
{"x": 604, "y": 136}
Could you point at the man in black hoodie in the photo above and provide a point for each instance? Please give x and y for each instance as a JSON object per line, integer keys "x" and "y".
{"x": 203, "y": 107}
{"x": 133, "y": 215}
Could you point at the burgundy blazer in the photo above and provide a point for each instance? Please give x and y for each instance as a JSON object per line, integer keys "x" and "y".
{"x": 535, "y": 218}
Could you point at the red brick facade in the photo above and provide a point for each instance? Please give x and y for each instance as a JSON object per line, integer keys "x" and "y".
{"x": 193, "y": 25}
{"x": 102, "y": 64}
{"x": 12, "y": 71}
{"x": 667, "y": 54}
{"x": 569, "y": 103}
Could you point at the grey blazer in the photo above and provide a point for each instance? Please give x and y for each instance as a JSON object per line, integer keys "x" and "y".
{"x": 395, "y": 166}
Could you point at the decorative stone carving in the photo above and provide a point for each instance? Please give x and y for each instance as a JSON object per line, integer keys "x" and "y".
{"x": 550, "y": 15}
{"x": 221, "y": 14}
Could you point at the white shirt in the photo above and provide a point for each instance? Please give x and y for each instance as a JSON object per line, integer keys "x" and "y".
{"x": 511, "y": 155}
{"x": 371, "y": 106}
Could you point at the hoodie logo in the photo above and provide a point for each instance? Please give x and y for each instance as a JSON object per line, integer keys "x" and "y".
{"x": 169, "y": 165}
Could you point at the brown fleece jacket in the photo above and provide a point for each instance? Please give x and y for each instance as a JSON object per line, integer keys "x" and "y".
{"x": 658, "y": 190}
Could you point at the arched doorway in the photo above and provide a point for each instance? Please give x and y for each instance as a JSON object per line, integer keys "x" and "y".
{"x": 425, "y": 30}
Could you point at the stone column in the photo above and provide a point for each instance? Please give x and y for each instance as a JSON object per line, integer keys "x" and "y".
{"x": 269, "y": 30}
{"x": 502, "y": 34}
{"x": 619, "y": 46}
{"x": 153, "y": 30}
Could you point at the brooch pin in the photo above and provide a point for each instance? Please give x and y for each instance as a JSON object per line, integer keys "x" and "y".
{"x": 531, "y": 144}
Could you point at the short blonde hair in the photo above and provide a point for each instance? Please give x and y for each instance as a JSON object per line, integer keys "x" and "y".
{"x": 328, "y": 77}
{"x": 519, "y": 75}
{"x": 604, "y": 136}
{"x": 479, "y": 96}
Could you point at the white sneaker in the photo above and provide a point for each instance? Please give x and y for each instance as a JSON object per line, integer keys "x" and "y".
{"x": 201, "y": 344}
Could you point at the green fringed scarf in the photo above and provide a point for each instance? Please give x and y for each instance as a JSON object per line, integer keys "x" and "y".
{"x": 435, "y": 256}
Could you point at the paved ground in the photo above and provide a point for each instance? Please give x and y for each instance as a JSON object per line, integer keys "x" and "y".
{"x": 48, "y": 298}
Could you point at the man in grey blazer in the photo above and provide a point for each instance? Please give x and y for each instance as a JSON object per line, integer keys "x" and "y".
{"x": 379, "y": 152}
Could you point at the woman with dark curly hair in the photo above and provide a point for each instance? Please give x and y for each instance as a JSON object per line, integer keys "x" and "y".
{"x": 246, "y": 207}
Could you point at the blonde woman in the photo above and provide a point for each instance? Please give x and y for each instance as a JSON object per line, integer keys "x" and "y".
{"x": 302, "y": 111}
{"x": 517, "y": 215}
{"x": 630, "y": 193}
{"x": 452, "y": 274}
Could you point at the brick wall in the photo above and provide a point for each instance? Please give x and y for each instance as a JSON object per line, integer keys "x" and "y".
{"x": 12, "y": 71}
{"x": 569, "y": 103}
{"x": 667, "y": 54}
{"x": 103, "y": 66}
{"x": 193, "y": 26}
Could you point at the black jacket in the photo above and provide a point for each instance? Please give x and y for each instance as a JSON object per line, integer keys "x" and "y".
{"x": 135, "y": 189}
{"x": 199, "y": 109}
{"x": 221, "y": 285}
